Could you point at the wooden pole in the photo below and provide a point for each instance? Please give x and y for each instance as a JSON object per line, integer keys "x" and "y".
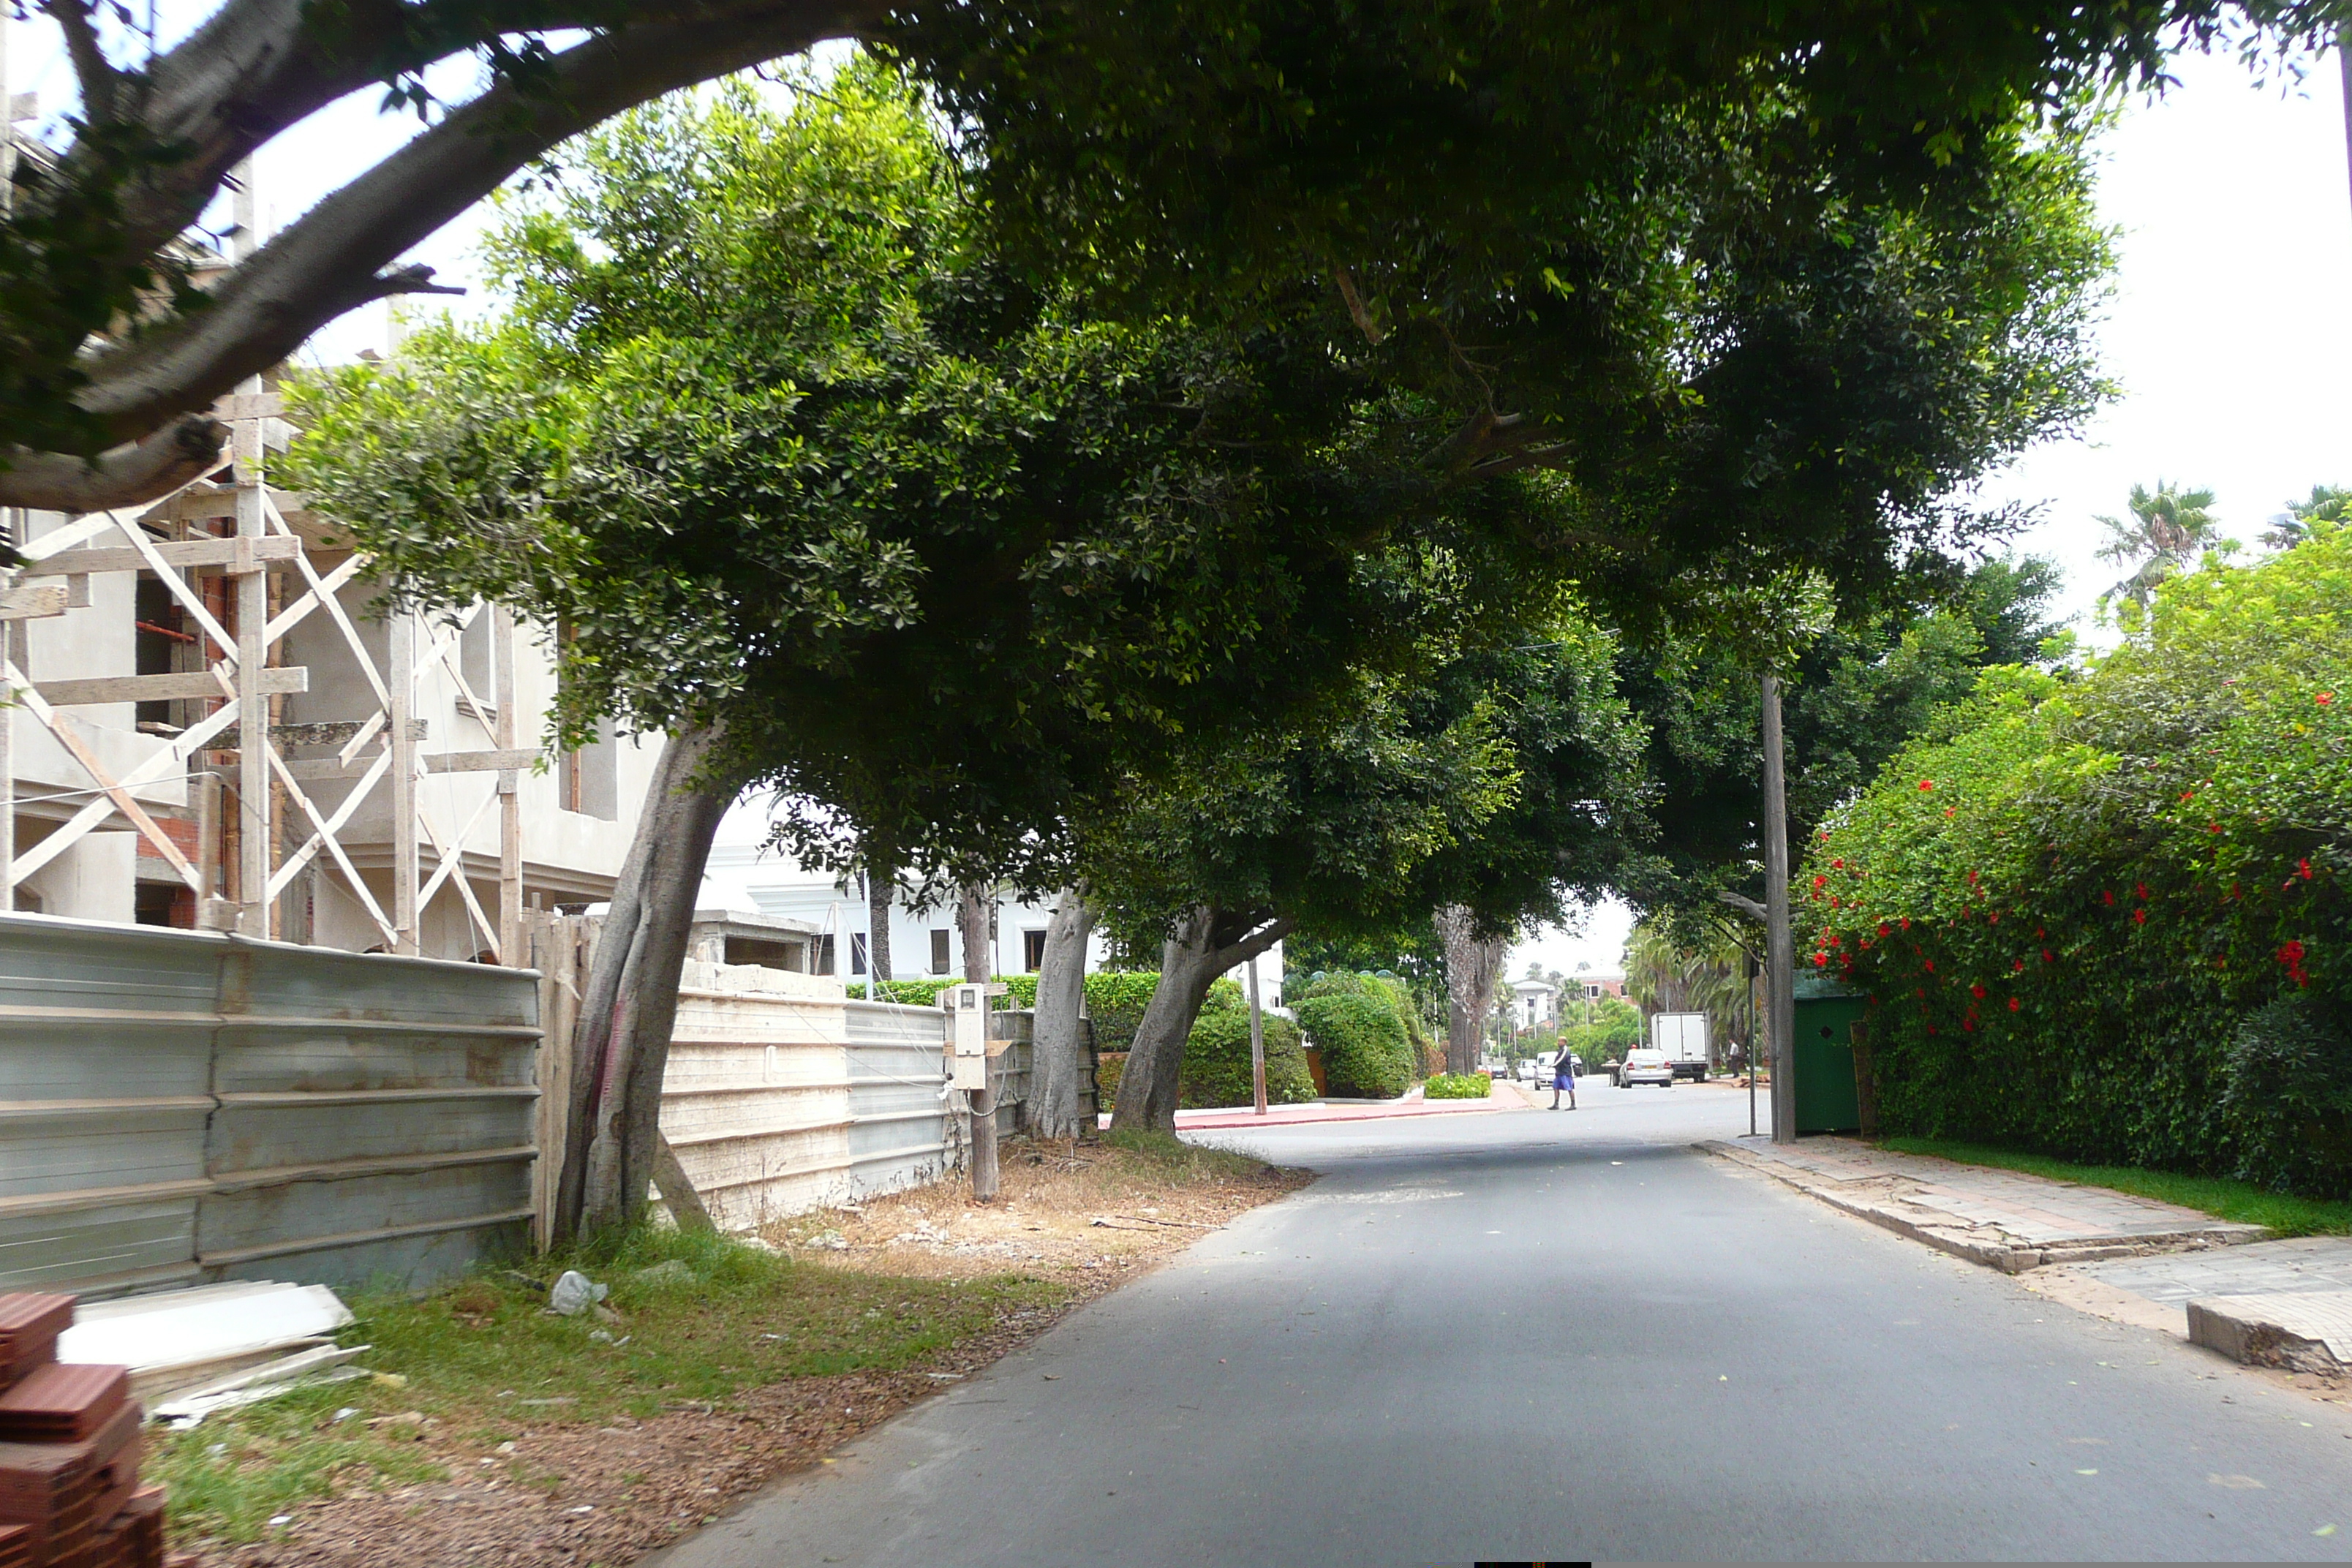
{"x": 1780, "y": 949}
{"x": 253, "y": 827}
{"x": 502, "y": 681}
{"x": 972, "y": 916}
{"x": 399, "y": 683}
{"x": 1257, "y": 1043}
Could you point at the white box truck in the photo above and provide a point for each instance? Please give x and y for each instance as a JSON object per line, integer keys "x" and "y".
{"x": 1683, "y": 1038}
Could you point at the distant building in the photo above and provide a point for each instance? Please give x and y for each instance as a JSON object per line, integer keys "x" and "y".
{"x": 1592, "y": 985}
{"x": 829, "y": 915}
{"x": 1534, "y": 1003}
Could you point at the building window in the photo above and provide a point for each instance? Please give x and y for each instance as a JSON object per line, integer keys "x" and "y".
{"x": 939, "y": 951}
{"x": 824, "y": 955}
{"x": 857, "y": 953}
{"x": 477, "y": 663}
{"x": 589, "y": 779}
{"x": 1032, "y": 951}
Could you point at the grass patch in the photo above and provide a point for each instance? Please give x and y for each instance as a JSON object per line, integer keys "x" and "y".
{"x": 1164, "y": 1158}
{"x": 476, "y": 1363}
{"x": 2223, "y": 1198}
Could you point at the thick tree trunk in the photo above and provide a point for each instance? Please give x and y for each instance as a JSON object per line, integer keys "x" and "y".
{"x": 881, "y": 892}
{"x": 1472, "y": 966}
{"x": 973, "y": 911}
{"x": 1057, "y": 1053}
{"x": 621, "y": 1044}
{"x": 1206, "y": 942}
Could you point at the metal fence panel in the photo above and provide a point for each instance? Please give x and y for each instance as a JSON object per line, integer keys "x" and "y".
{"x": 181, "y": 1105}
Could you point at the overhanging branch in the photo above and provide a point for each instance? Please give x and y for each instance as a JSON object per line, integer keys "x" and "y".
{"x": 126, "y": 476}
{"x": 331, "y": 260}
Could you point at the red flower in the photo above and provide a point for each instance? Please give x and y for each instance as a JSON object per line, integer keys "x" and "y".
{"x": 2013, "y": 1004}
{"x": 2139, "y": 916}
{"x": 1906, "y": 922}
{"x": 2017, "y": 966}
{"x": 1927, "y": 783}
{"x": 1821, "y": 960}
{"x": 2188, "y": 794}
{"x": 1835, "y": 902}
{"x": 1949, "y": 810}
{"x": 1820, "y": 881}
{"x": 2324, "y": 698}
{"x": 2039, "y": 934}
{"x": 2048, "y": 956}
{"x": 1977, "y": 990}
{"x": 1837, "y": 865}
{"x": 2291, "y": 954}
{"x": 1969, "y": 1025}
{"x": 2212, "y": 828}
{"x": 2109, "y": 895}
{"x": 2141, "y": 888}
{"x": 1884, "y": 929}
{"x": 2303, "y": 869}
{"x": 1993, "y": 919}
{"x": 1931, "y": 967}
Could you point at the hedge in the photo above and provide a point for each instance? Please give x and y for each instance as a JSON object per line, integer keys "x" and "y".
{"x": 1458, "y": 1086}
{"x": 2106, "y": 917}
{"x": 1355, "y": 1020}
{"x": 1216, "y": 1069}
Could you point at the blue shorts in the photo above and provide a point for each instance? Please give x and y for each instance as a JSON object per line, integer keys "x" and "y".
{"x": 1563, "y": 1080}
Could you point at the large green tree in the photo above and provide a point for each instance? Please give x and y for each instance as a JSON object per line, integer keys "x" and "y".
{"x": 1502, "y": 777}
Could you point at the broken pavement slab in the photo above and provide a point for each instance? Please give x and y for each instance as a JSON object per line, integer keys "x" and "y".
{"x": 2001, "y": 1219}
{"x": 2304, "y": 1332}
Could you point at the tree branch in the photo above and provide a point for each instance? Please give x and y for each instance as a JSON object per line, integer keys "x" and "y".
{"x": 1254, "y": 943}
{"x": 124, "y": 477}
{"x": 329, "y": 262}
{"x": 97, "y": 77}
{"x": 1743, "y": 903}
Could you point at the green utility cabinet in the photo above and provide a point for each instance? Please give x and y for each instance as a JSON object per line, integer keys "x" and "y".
{"x": 1826, "y": 1097}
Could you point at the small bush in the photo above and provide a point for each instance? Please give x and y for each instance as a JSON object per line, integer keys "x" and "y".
{"x": 1365, "y": 1053}
{"x": 1217, "y": 1061}
{"x": 2287, "y": 1098}
{"x": 1107, "y": 1068}
{"x": 1458, "y": 1086}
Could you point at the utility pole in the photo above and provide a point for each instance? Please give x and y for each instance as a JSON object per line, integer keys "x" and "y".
{"x": 1779, "y": 950}
{"x": 1258, "y": 1041}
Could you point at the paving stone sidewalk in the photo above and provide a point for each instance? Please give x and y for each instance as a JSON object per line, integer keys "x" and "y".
{"x": 2003, "y": 1219}
{"x": 2274, "y": 1303}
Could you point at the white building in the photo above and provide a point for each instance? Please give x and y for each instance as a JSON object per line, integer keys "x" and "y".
{"x": 745, "y": 875}
{"x": 377, "y": 739}
{"x": 1534, "y": 1002}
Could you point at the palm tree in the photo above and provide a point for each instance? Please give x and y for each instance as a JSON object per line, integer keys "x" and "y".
{"x": 2169, "y": 528}
{"x": 2328, "y": 503}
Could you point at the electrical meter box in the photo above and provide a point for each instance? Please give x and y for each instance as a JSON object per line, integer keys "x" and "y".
{"x": 967, "y": 1008}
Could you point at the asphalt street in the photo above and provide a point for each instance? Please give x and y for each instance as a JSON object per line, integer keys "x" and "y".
{"x": 1536, "y": 1335}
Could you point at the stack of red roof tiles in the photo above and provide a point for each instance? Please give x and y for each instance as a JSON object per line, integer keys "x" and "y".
{"x": 69, "y": 1491}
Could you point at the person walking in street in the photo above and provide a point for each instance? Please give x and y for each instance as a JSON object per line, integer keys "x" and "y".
{"x": 1563, "y": 1077}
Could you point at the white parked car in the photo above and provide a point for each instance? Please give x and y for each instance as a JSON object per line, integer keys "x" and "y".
{"x": 1645, "y": 1065}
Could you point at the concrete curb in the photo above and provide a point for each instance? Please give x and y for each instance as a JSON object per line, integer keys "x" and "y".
{"x": 2008, "y": 1257}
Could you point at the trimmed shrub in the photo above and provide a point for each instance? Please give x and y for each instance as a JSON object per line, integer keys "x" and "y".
{"x": 2074, "y": 902}
{"x": 1107, "y": 1068}
{"x": 1458, "y": 1086}
{"x": 2288, "y": 1103}
{"x": 1365, "y": 1053}
{"x": 1217, "y": 1061}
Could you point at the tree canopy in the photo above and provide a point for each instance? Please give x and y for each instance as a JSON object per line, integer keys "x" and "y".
{"x": 1250, "y": 141}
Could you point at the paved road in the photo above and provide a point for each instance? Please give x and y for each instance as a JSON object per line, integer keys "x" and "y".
{"x": 1544, "y": 1335}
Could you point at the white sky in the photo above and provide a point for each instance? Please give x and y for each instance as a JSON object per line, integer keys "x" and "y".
{"x": 2236, "y": 215}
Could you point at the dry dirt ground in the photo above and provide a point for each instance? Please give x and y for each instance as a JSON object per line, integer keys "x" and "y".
{"x": 1089, "y": 1217}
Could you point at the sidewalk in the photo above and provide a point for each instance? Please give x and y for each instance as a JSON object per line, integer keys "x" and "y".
{"x": 2003, "y": 1219}
{"x": 2285, "y": 1304}
{"x": 1504, "y": 1099}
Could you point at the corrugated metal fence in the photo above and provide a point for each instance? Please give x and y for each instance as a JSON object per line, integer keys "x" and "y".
{"x": 782, "y": 1096}
{"x": 183, "y": 1106}
{"x": 179, "y": 1106}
